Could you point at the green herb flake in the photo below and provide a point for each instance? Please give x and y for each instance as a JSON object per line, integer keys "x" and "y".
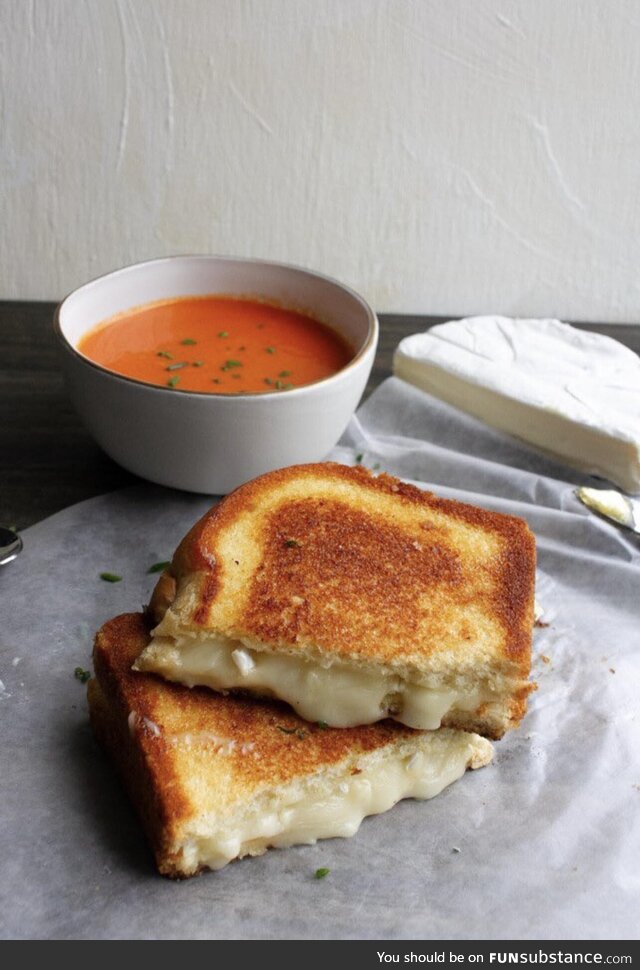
{"x": 158, "y": 567}
{"x": 165, "y": 354}
{"x": 359, "y": 459}
{"x": 322, "y": 725}
{"x": 178, "y": 366}
{"x": 110, "y": 577}
{"x": 223, "y": 333}
{"x": 321, "y": 873}
{"x": 173, "y": 381}
{"x": 197, "y": 363}
{"x": 374, "y": 468}
{"x": 82, "y": 675}
{"x": 230, "y": 364}
{"x": 268, "y": 380}
{"x": 291, "y": 543}
{"x": 270, "y": 350}
{"x": 188, "y": 342}
{"x": 284, "y": 373}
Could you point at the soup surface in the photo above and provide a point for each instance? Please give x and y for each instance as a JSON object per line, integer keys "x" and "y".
{"x": 217, "y": 345}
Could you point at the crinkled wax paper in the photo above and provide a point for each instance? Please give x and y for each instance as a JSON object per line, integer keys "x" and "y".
{"x": 549, "y": 835}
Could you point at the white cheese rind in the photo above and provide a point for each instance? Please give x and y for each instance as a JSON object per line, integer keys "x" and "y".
{"x": 341, "y": 695}
{"x": 335, "y": 808}
{"x": 573, "y": 394}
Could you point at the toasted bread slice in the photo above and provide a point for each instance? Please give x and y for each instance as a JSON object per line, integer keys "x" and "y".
{"x": 353, "y": 598}
{"x": 216, "y": 778}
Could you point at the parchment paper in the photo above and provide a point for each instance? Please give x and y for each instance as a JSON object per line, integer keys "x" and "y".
{"x": 549, "y": 835}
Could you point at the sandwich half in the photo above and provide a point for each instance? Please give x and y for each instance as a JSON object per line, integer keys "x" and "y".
{"x": 215, "y": 777}
{"x": 353, "y": 598}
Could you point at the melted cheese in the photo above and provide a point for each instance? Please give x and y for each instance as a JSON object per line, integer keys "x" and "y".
{"x": 341, "y": 695}
{"x": 334, "y": 810}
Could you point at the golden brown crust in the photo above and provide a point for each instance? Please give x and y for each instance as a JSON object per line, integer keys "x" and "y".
{"x": 162, "y": 597}
{"x": 147, "y": 767}
{"x": 155, "y": 812}
{"x": 362, "y": 567}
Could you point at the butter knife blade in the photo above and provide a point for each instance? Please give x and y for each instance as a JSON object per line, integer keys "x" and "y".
{"x": 613, "y": 505}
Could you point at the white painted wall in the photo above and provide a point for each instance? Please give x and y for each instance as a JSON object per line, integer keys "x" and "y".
{"x": 443, "y": 156}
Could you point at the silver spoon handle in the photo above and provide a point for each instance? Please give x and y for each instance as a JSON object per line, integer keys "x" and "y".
{"x": 10, "y": 545}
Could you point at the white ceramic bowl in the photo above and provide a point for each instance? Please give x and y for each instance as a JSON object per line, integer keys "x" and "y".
{"x": 213, "y": 442}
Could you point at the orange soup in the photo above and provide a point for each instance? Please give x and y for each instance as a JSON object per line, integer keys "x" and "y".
{"x": 217, "y": 345}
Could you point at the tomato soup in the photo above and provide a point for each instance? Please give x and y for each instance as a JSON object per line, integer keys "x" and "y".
{"x": 217, "y": 345}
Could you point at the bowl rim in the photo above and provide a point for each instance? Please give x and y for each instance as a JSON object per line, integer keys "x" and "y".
{"x": 370, "y": 339}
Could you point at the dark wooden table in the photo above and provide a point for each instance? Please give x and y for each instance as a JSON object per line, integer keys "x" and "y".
{"x": 48, "y": 461}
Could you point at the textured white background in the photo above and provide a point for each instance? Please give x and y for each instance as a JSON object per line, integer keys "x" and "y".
{"x": 444, "y": 156}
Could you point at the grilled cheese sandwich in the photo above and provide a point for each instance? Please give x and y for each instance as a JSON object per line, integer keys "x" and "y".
{"x": 215, "y": 778}
{"x": 353, "y": 598}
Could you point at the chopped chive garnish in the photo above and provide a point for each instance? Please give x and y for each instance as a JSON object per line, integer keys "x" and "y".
{"x": 279, "y": 385}
{"x": 173, "y": 381}
{"x": 197, "y": 363}
{"x": 322, "y": 725}
{"x": 228, "y": 364}
{"x": 82, "y": 675}
{"x": 110, "y": 577}
{"x": 177, "y": 366}
{"x": 158, "y": 567}
{"x": 321, "y": 873}
{"x": 223, "y": 333}
{"x": 284, "y": 373}
{"x": 359, "y": 458}
{"x": 188, "y": 342}
{"x": 268, "y": 380}
{"x": 165, "y": 353}
{"x": 270, "y": 350}
{"x": 374, "y": 468}
{"x": 291, "y": 543}
{"x": 287, "y": 387}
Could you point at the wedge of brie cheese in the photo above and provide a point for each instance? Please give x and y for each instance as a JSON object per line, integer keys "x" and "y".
{"x": 574, "y": 395}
